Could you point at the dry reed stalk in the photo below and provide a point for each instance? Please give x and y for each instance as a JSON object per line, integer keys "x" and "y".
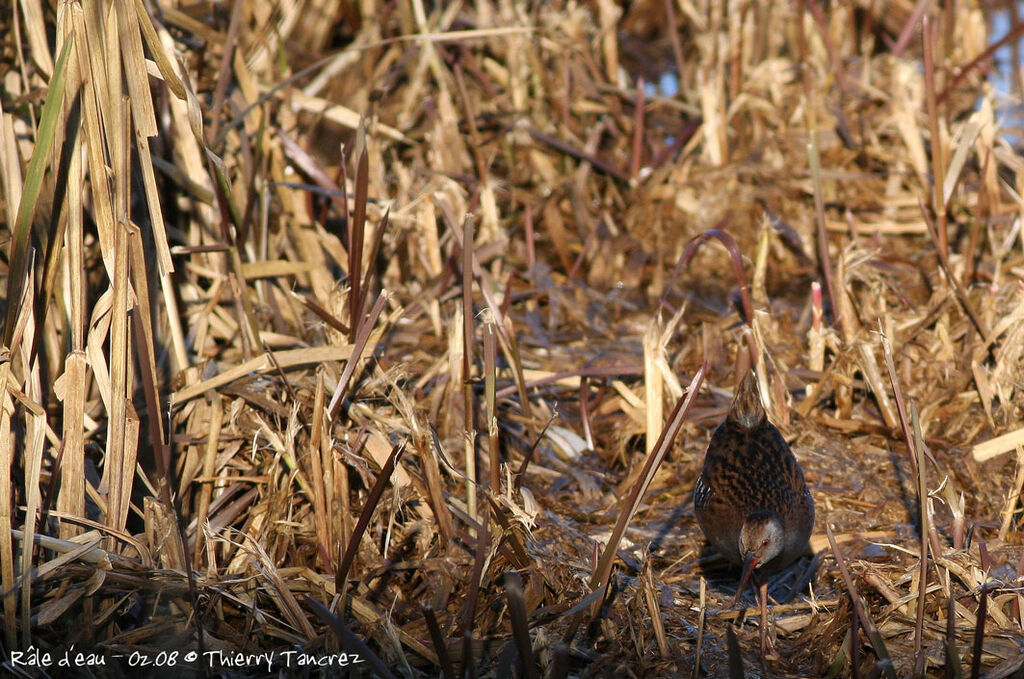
{"x": 490, "y": 377}
{"x": 885, "y": 663}
{"x": 602, "y": 570}
{"x": 999, "y": 445}
{"x": 654, "y": 392}
{"x": 735, "y": 655}
{"x": 71, "y": 499}
{"x": 468, "y": 403}
{"x": 520, "y": 629}
{"x": 209, "y": 468}
{"x": 318, "y": 480}
{"x": 7, "y": 450}
{"x": 703, "y": 603}
{"x": 348, "y": 639}
{"x": 383, "y": 479}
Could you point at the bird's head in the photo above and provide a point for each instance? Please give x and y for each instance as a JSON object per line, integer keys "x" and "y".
{"x": 761, "y": 539}
{"x": 760, "y": 542}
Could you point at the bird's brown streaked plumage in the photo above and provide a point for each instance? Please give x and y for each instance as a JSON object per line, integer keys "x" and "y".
{"x": 751, "y": 499}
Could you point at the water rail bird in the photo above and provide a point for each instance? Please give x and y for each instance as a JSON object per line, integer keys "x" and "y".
{"x": 751, "y": 499}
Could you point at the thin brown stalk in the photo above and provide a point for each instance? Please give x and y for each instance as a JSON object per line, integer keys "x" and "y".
{"x": 317, "y": 479}
{"x": 703, "y": 601}
{"x": 908, "y": 28}
{"x": 824, "y": 258}
{"x": 437, "y": 640}
{"x": 480, "y": 551}
{"x": 469, "y": 421}
{"x": 918, "y": 466}
{"x": 952, "y": 663}
{"x": 854, "y": 647}
{"x": 145, "y": 343}
{"x": 364, "y": 328}
{"x": 938, "y": 149}
{"x": 372, "y": 500}
{"x": 490, "y": 377}
{"x": 885, "y": 663}
{"x": 598, "y": 163}
{"x": 736, "y": 258}
{"x": 958, "y": 289}
{"x": 356, "y": 234}
{"x": 517, "y": 480}
{"x": 602, "y": 572}
{"x": 979, "y": 632}
{"x": 732, "y": 645}
{"x": 348, "y": 639}
{"x": 638, "y": 131}
{"x": 1011, "y": 38}
{"x": 520, "y": 625}
{"x": 833, "y": 57}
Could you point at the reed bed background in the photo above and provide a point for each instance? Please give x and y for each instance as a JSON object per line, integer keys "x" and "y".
{"x": 372, "y": 327}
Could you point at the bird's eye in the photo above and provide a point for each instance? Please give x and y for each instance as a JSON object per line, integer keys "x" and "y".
{"x": 765, "y": 542}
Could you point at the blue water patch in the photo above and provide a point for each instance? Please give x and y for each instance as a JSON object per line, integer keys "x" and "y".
{"x": 1004, "y": 78}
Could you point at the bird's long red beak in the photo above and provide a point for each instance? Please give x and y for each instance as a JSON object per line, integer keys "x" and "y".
{"x": 749, "y": 564}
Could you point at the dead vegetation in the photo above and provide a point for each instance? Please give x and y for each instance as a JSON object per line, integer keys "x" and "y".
{"x": 359, "y": 326}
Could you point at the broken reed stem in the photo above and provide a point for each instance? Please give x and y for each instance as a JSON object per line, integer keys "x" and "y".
{"x": 651, "y": 598}
{"x": 317, "y": 474}
{"x": 654, "y": 399}
{"x": 1014, "y": 497}
{"x": 703, "y": 602}
{"x": 469, "y": 420}
{"x": 588, "y": 432}
{"x": 763, "y": 627}
{"x": 209, "y": 469}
